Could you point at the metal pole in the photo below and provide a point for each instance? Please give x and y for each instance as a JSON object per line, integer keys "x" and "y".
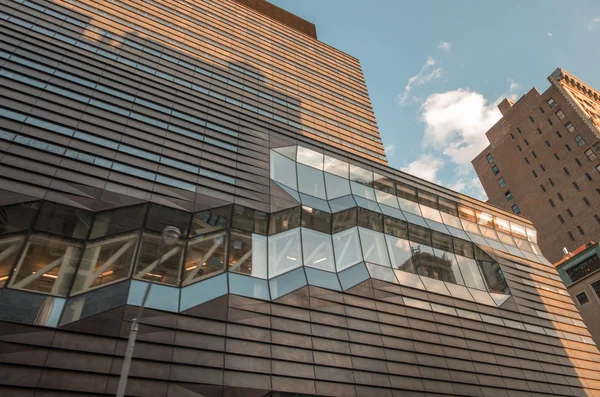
{"x": 169, "y": 236}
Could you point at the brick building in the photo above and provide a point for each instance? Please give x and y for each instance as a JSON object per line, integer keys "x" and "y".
{"x": 543, "y": 161}
{"x": 305, "y": 265}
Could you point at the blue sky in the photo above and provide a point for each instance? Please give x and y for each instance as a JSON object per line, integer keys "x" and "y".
{"x": 435, "y": 69}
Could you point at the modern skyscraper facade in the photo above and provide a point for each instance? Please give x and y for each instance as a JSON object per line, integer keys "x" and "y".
{"x": 544, "y": 161}
{"x": 305, "y": 265}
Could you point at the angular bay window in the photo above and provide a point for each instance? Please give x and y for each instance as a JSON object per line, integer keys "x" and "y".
{"x": 336, "y": 186}
{"x": 384, "y": 184}
{"x": 467, "y": 213}
{"x": 105, "y": 262}
{"x": 315, "y": 219}
{"x": 347, "y": 249}
{"x": 250, "y": 220}
{"x": 284, "y": 220}
{"x": 285, "y": 252}
{"x": 9, "y": 249}
{"x": 419, "y": 234}
{"x": 336, "y": 167}
{"x": 400, "y": 254}
{"x": 395, "y": 227}
{"x": 360, "y": 175}
{"x": 210, "y": 220}
{"x": 470, "y": 272}
{"x": 158, "y": 262}
{"x": 117, "y": 221}
{"x": 311, "y": 182}
{"x": 283, "y": 170}
{"x": 160, "y": 217}
{"x": 18, "y": 217}
{"x": 406, "y": 191}
{"x": 310, "y": 158}
{"x": 205, "y": 257}
{"x": 374, "y": 249}
{"x": 492, "y": 274}
{"x": 46, "y": 265}
{"x": 317, "y": 250}
{"x": 248, "y": 254}
{"x": 344, "y": 220}
{"x": 446, "y": 266}
{"x": 370, "y": 219}
{"x": 63, "y": 220}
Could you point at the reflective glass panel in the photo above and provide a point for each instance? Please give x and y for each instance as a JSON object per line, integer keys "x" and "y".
{"x": 293, "y": 193}
{"x": 310, "y": 158}
{"x": 105, "y": 262}
{"x": 470, "y": 272}
{"x": 158, "y": 262}
{"x": 492, "y": 273}
{"x": 435, "y": 285}
{"x": 46, "y": 265}
{"x": 248, "y": 254}
{"x": 160, "y": 297}
{"x": 502, "y": 224}
{"x": 210, "y": 220}
{"x": 395, "y": 227}
{"x": 392, "y": 212}
{"x": 406, "y": 192}
{"x": 344, "y": 220}
{"x": 310, "y": 181}
{"x": 464, "y": 248}
{"x": 287, "y": 283}
{"x": 409, "y": 279}
{"x": 470, "y": 227}
{"x": 248, "y": 286}
{"x": 315, "y": 203}
{"x": 431, "y": 213}
{"x": 94, "y": 302}
{"x": 485, "y": 219}
{"x": 419, "y": 234}
{"x": 285, "y": 252}
{"x": 482, "y": 297}
{"x": 424, "y": 260}
{"x": 400, "y": 253}
{"x": 203, "y": 291}
{"x": 416, "y": 220}
{"x": 360, "y": 175}
{"x": 9, "y": 249}
{"x": 518, "y": 230}
{"x": 355, "y": 275}
{"x": 160, "y": 217}
{"x": 120, "y": 220}
{"x": 381, "y": 273}
{"x": 336, "y": 186}
{"x": 374, "y": 249}
{"x": 14, "y": 218}
{"x": 458, "y": 291}
{"x": 63, "y": 220}
{"x": 315, "y": 219}
{"x": 342, "y": 203}
{"x": 488, "y": 233}
{"x": 384, "y": 184}
{"x": 441, "y": 241}
{"x": 427, "y": 199}
{"x": 451, "y": 220}
{"x": 448, "y": 206}
{"x": 370, "y": 220}
{"x": 336, "y": 167}
{"x": 283, "y": 170}
{"x": 386, "y": 199}
{"x": 467, "y": 213}
{"x": 531, "y": 235}
{"x": 506, "y": 239}
{"x": 320, "y": 278}
{"x": 250, "y": 220}
{"x": 409, "y": 206}
{"x": 448, "y": 267}
{"x": 363, "y": 191}
{"x": 284, "y": 220}
{"x": 347, "y": 249}
{"x": 317, "y": 250}
{"x": 436, "y": 226}
{"x": 205, "y": 257}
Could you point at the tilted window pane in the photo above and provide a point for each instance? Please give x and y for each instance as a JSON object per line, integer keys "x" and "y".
{"x": 347, "y": 249}
{"x": 370, "y": 220}
{"x": 488, "y": 233}
{"x": 386, "y": 199}
{"x": 406, "y": 192}
{"x": 409, "y": 279}
{"x": 353, "y": 276}
{"x": 427, "y": 199}
{"x": 470, "y": 272}
{"x": 248, "y": 254}
{"x": 459, "y": 291}
{"x": 451, "y": 220}
{"x": 384, "y": 184}
{"x": 248, "y": 286}
{"x": 342, "y": 203}
{"x": 344, "y": 220}
{"x": 250, "y": 220}
{"x": 501, "y": 224}
{"x": 316, "y": 203}
{"x": 121, "y": 220}
{"x": 374, "y": 249}
{"x": 431, "y": 213}
{"x": 317, "y": 250}
{"x": 409, "y": 206}
{"x": 205, "y": 257}
{"x": 210, "y": 220}
{"x": 310, "y": 181}
{"x": 283, "y": 170}
{"x": 310, "y": 158}
{"x": 470, "y": 227}
{"x": 285, "y": 252}
{"x": 284, "y": 220}
{"x": 336, "y": 167}
{"x": 46, "y": 265}
{"x": 382, "y": 273}
{"x": 485, "y": 219}
{"x": 492, "y": 273}
{"x": 400, "y": 254}
{"x": 158, "y": 262}
{"x": 320, "y": 278}
{"x": 448, "y": 265}
{"x": 287, "y": 283}
{"x": 360, "y": 175}
{"x": 506, "y": 239}
{"x": 419, "y": 234}
{"x": 434, "y": 284}
{"x": 105, "y": 262}
{"x": 363, "y": 191}
{"x": 336, "y": 186}
{"x": 314, "y": 219}
{"x": 448, "y": 206}
{"x": 467, "y": 213}
{"x": 395, "y": 227}
{"x": 392, "y": 212}
{"x": 14, "y": 218}
{"x": 9, "y": 249}
{"x": 63, "y": 220}
{"x": 160, "y": 217}
{"x": 464, "y": 248}
{"x": 441, "y": 241}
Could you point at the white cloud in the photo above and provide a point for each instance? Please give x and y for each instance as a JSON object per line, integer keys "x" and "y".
{"x": 549, "y": 34}
{"x": 426, "y": 167}
{"x": 512, "y": 91}
{"x": 592, "y": 25}
{"x": 427, "y": 73}
{"x": 468, "y": 186}
{"x": 389, "y": 149}
{"x": 445, "y": 46}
